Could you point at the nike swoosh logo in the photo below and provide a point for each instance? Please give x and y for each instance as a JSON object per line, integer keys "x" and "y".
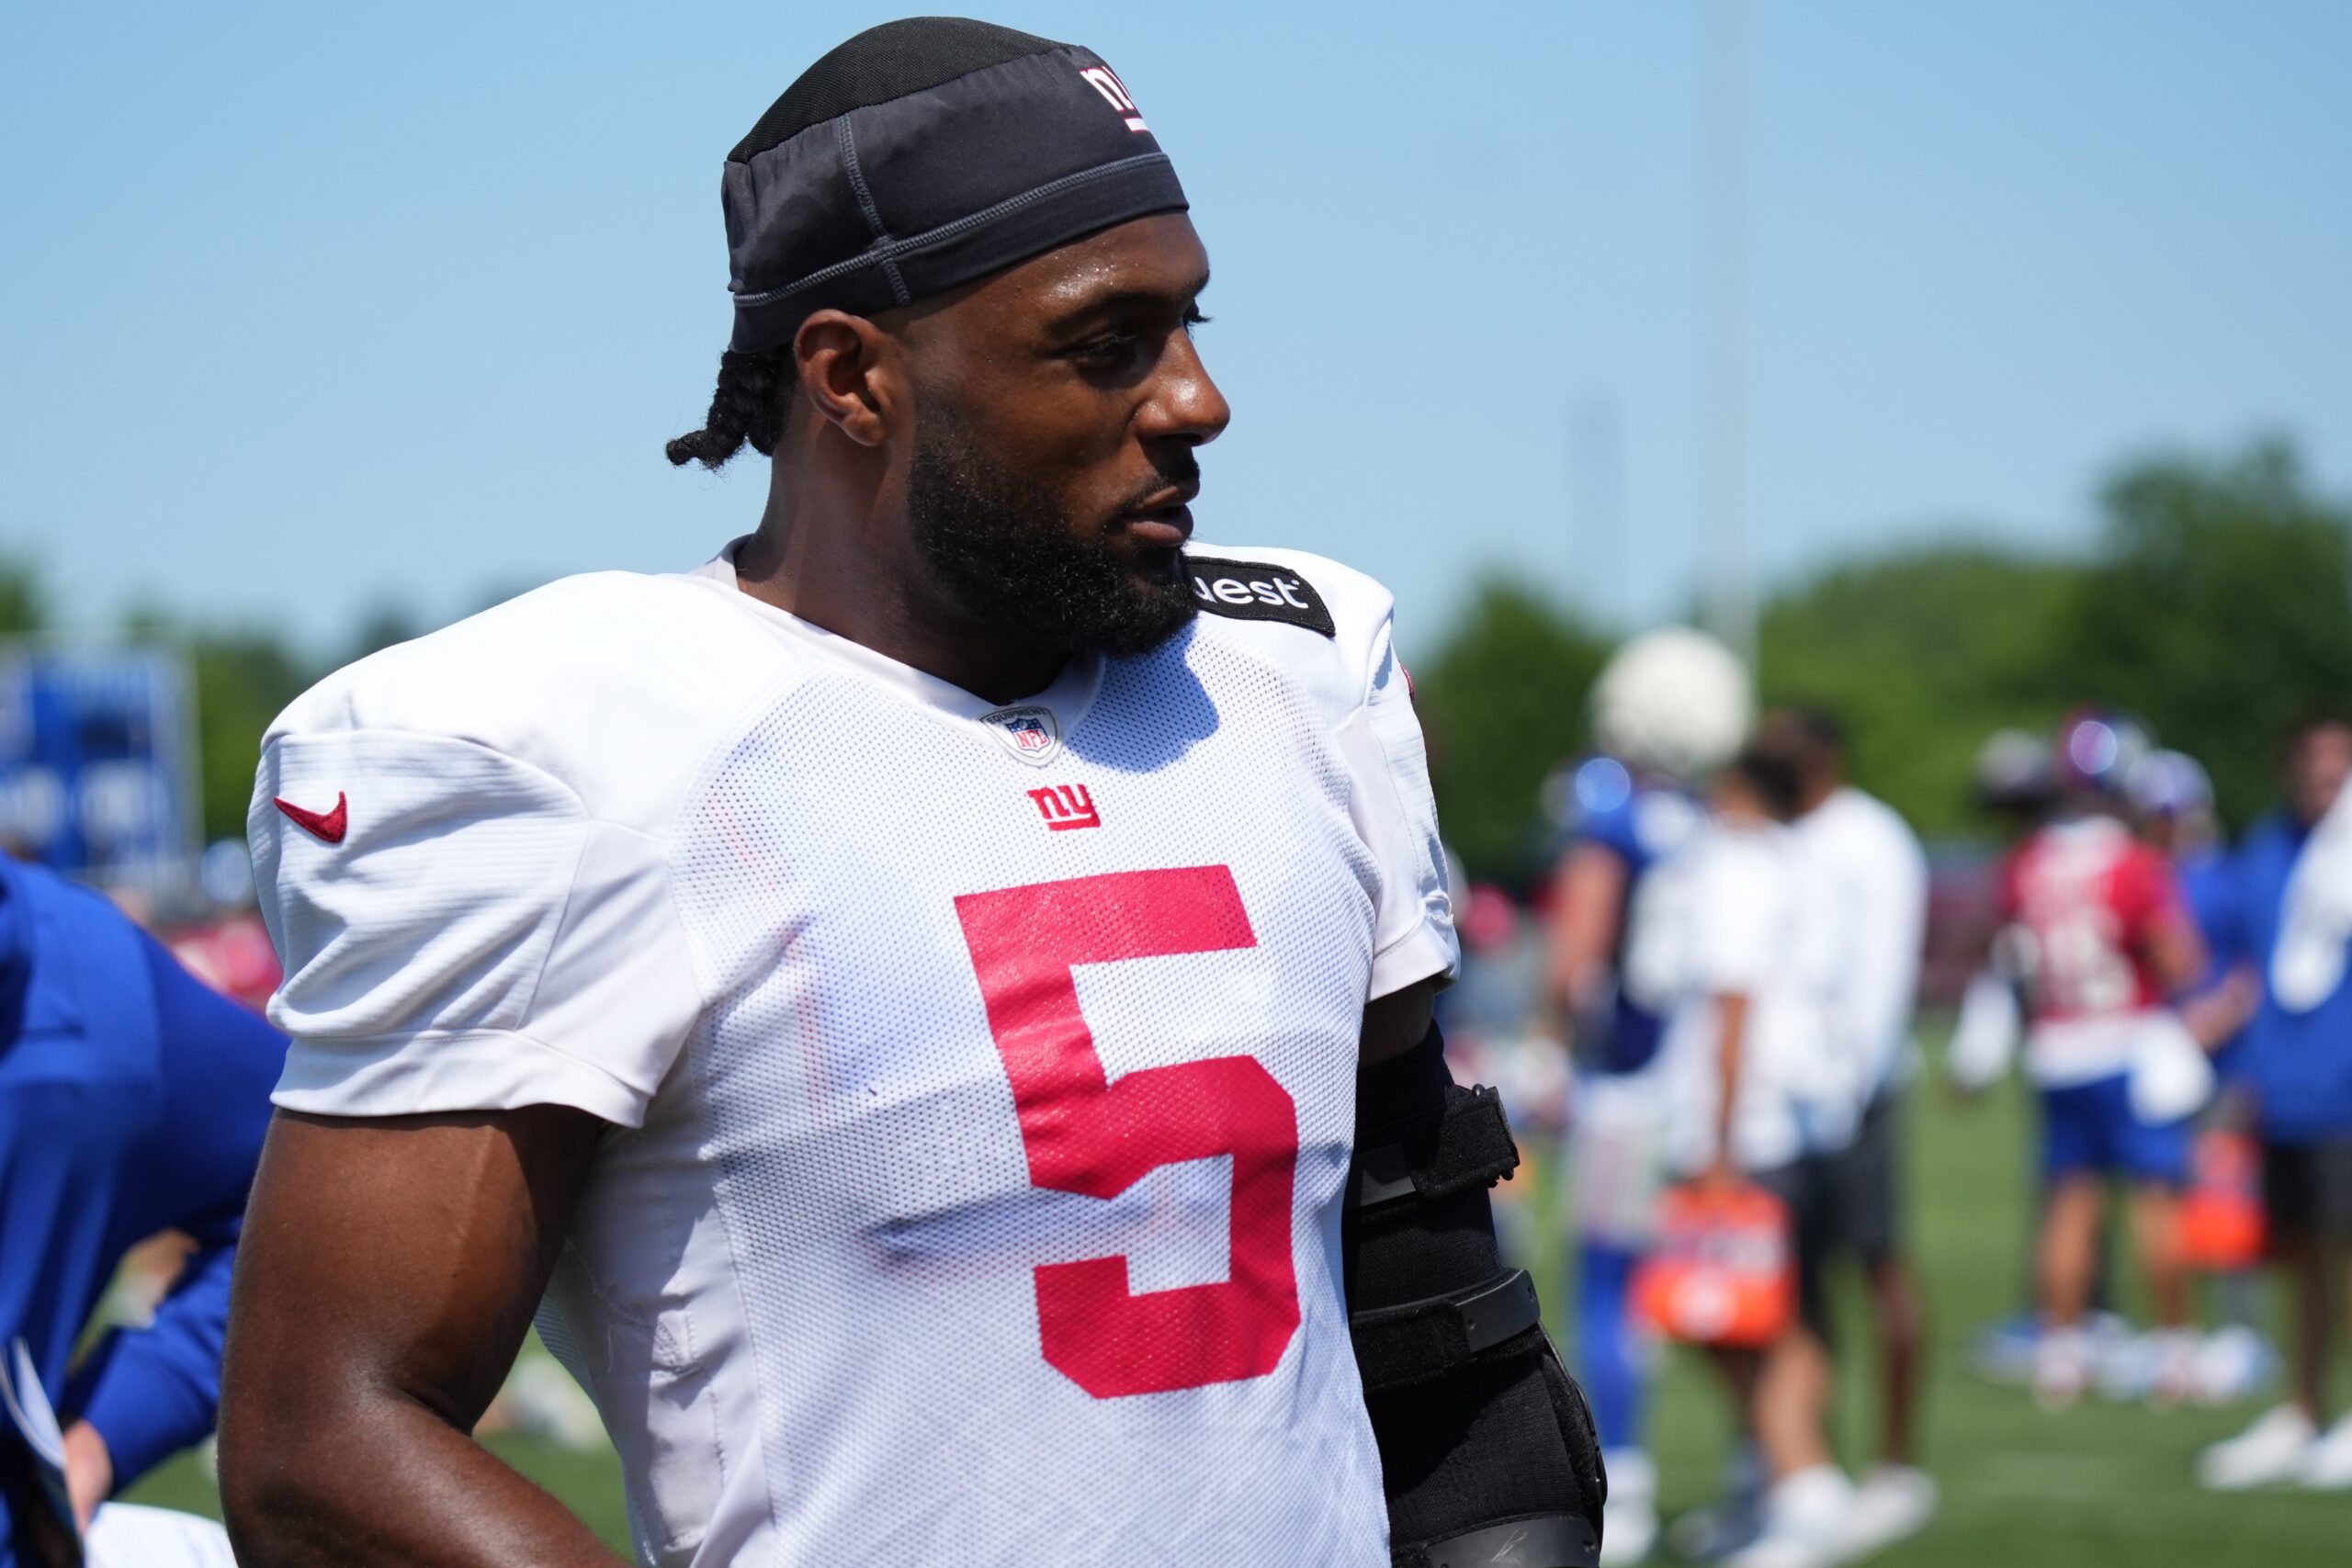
{"x": 327, "y": 824}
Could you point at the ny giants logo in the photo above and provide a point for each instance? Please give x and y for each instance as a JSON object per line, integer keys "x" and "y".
{"x": 1067, "y": 806}
{"x": 1114, "y": 93}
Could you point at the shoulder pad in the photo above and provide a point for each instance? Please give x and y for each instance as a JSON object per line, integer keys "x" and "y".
{"x": 1257, "y": 590}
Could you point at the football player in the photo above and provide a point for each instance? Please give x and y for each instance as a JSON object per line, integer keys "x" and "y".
{"x": 2295, "y": 887}
{"x": 2173, "y": 798}
{"x": 1873, "y": 891}
{"x": 132, "y": 1099}
{"x": 1669, "y": 709}
{"x": 1762, "y": 1095}
{"x": 2096, "y": 929}
{"x": 937, "y": 998}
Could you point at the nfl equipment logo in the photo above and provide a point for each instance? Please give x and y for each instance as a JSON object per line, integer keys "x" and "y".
{"x": 1030, "y": 731}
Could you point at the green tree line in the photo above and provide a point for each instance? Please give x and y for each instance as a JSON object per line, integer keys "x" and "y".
{"x": 2215, "y": 605}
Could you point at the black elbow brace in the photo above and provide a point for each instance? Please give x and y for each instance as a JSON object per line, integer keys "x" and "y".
{"x": 1488, "y": 1451}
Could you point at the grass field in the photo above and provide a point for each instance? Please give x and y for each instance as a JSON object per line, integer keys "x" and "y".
{"x": 2101, "y": 1484}
{"x": 2022, "y": 1488}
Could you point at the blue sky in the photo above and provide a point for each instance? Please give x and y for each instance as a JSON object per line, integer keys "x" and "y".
{"x": 305, "y": 310}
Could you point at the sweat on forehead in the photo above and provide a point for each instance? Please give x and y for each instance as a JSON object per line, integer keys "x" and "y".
{"x": 923, "y": 154}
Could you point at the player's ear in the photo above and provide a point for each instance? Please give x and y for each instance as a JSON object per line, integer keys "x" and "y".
{"x": 841, "y": 367}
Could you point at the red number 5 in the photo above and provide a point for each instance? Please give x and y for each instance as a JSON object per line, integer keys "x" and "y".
{"x": 1086, "y": 1135}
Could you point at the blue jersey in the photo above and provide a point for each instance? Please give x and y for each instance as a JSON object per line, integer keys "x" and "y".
{"x": 2300, "y": 1064}
{"x": 2209, "y": 888}
{"x": 1641, "y": 824}
{"x": 132, "y": 1099}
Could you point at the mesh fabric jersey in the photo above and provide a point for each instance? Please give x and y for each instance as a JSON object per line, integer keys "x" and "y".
{"x": 986, "y": 1076}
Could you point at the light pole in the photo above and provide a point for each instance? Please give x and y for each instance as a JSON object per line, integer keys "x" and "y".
{"x": 1728, "y": 568}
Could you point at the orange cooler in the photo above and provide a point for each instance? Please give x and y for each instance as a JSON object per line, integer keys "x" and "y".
{"x": 2220, "y": 1215}
{"x": 1724, "y": 1271}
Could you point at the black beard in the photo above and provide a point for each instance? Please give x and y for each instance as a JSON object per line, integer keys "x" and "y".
{"x": 1009, "y": 558}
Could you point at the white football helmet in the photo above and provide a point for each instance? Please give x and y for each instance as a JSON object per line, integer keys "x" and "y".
{"x": 1673, "y": 700}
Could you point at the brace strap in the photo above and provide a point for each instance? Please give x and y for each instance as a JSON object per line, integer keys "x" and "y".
{"x": 1426, "y": 1339}
{"x": 1467, "y": 1142}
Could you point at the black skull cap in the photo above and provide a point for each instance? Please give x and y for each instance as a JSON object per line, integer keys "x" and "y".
{"x": 922, "y": 154}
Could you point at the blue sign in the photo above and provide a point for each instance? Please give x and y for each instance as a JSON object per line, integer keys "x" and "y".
{"x": 97, "y": 762}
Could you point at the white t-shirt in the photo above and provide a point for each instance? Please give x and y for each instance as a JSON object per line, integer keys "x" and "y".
{"x": 1746, "y": 902}
{"x": 1873, "y": 887}
{"x": 2315, "y": 932}
{"x": 982, "y": 1076}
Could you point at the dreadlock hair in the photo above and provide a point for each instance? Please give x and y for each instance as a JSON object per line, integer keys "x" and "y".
{"x": 748, "y": 405}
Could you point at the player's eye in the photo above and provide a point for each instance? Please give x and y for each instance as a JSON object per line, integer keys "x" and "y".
{"x": 1111, "y": 348}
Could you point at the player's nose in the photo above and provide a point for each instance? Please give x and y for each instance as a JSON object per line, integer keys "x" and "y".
{"x": 1186, "y": 405}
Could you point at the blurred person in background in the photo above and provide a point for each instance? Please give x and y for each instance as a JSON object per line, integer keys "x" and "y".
{"x": 2172, "y": 796}
{"x": 1668, "y": 708}
{"x": 1871, "y": 882}
{"x": 1758, "y": 1098}
{"x": 2015, "y": 783}
{"x": 2094, "y": 925}
{"x": 2294, "y": 881}
{"x": 2016, "y": 787}
{"x": 132, "y": 1099}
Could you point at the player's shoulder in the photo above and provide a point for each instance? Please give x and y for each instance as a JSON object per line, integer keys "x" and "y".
{"x": 1291, "y": 607}
{"x": 1606, "y": 805}
{"x": 1266, "y": 582}
{"x": 2140, "y": 864}
{"x": 588, "y": 676}
{"x": 1875, "y": 821}
{"x": 2011, "y": 866}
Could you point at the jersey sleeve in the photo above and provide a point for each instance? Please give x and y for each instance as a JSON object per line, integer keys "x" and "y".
{"x": 1413, "y": 935}
{"x": 459, "y": 933}
{"x": 2145, "y": 895}
{"x": 2008, "y": 880}
{"x": 2314, "y": 940}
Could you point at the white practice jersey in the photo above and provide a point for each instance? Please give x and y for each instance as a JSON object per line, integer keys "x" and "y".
{"x": 1873, "y": 891}
{"x": 1742, "y": 908}
{"x": 982, "y": 1077}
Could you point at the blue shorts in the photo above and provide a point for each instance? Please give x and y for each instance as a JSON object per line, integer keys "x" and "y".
{"x": 2090, "y": 1128}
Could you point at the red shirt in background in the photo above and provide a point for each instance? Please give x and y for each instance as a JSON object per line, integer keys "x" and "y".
{"x": 2081, "y": 900}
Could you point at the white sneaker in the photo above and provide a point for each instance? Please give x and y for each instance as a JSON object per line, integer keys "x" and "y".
{"x": 2327, "y": 1462}
{"x": 2123, "y": 1369}
{"x": 1804, "y": 1522}
{"x": 1892, "y": 1503}
{"x": 1629, "y": 1522}
{"x": 2063, "y": 1365}
{"x": 2269, "y": 1451}
{"x": 2234, "y": 1363}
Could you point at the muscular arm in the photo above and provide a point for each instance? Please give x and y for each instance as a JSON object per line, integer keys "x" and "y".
{"x": 2176, "y": 951}
{"x": 1395, "y": 1024}
{"x": 388, "y": 1273}
{"x": 2183, "y": 964}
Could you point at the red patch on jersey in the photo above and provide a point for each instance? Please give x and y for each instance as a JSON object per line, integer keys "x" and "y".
{"x": 327, "y": 824}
